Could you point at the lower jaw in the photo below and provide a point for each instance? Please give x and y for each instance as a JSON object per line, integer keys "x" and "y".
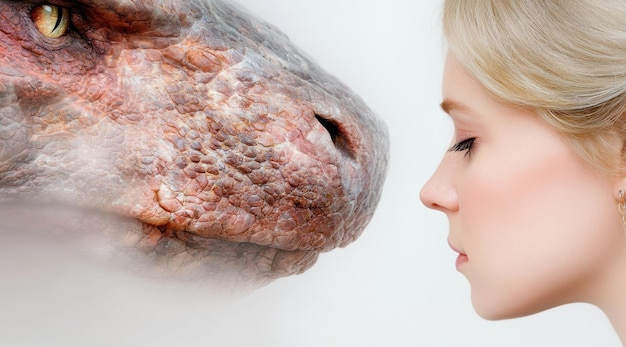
{"x": 151, "y": 251}
{"x": 223, "y": 262}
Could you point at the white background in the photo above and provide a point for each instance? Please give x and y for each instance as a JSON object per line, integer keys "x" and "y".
{"x": 395, "y": 286}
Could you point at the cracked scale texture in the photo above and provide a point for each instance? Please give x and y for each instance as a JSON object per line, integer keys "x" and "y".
{"x": 215, "y": 147}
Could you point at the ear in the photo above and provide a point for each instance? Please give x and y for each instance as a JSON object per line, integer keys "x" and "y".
{"x": 620, "y": 192}
{"x": 619, "y": 182}
{"x": 619, "y": 169}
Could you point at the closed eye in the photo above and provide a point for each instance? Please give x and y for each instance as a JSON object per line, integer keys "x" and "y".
{"x": 463, "y": 146}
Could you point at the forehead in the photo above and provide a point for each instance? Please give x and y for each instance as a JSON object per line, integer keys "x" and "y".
{"x": 465, "y": 95}
{"x": 457, "y": 84}
{"x": 461, "y": 92}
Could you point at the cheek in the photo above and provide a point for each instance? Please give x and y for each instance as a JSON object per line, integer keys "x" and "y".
{"x": 535, "y": 232}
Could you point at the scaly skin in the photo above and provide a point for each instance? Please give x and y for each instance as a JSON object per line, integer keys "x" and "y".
{"x": 208, "y": 141}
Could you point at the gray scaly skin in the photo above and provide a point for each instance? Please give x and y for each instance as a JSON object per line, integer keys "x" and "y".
{"x": 192, "y": 132}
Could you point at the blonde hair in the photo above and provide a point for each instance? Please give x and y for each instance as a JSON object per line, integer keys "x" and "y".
{"x": 566, "y": 59}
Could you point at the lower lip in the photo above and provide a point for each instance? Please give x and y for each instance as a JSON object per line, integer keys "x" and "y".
{"x": 461, "y": 260}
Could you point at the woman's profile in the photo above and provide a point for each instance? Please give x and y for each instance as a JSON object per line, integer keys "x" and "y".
{"x": 534, "y": 182}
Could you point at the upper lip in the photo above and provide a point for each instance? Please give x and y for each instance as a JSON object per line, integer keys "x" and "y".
{"x": 454, "y": 248}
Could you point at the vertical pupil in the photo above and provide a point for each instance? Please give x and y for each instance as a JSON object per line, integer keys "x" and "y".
{"x": 59, "y": 18}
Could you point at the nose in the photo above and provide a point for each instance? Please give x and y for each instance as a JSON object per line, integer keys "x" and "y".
{"x": 439, "y": 192}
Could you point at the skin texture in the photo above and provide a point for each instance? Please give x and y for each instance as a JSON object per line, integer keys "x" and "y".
{"x": 189, "y": 132}
{"x": 535, "y": 224}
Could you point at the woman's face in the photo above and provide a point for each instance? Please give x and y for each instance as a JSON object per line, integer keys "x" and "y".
{"x": 535, "y": 225}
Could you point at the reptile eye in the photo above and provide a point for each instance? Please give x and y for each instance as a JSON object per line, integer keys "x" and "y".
{"x": 51, "y": 21}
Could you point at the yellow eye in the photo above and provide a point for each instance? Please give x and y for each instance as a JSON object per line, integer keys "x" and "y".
{"x": 51, "y": 21}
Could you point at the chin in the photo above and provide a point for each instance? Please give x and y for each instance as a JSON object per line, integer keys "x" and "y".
{"x": 495, "y": 314}
{"x": 494, "y": 308}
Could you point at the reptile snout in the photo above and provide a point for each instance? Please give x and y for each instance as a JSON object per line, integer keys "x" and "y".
{"x": 218, "y": 146}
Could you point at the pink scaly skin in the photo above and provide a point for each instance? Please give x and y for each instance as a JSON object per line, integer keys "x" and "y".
{"x": 186, "y": 131}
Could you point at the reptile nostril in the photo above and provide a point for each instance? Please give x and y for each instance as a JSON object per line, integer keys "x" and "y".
{"x": 332, "y": 129}
{"x": 339, "y": 139}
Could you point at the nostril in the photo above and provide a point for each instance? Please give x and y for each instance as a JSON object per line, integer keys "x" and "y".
{"x": 332, "y": 129}
{"x": 339, "y": 139}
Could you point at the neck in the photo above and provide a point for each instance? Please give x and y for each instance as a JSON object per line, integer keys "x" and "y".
{"x": 612, "y": 300}
{"x": 618, "y": 320}
{"x": 617, "y": 315}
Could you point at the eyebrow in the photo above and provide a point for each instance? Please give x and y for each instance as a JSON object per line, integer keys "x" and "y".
{"x": 450, "y": 105}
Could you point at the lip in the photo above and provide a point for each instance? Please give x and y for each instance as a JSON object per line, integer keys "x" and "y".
{"x": 461, "y": 259}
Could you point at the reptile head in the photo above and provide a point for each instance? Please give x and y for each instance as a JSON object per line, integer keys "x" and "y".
{"x": 197, "y": 133}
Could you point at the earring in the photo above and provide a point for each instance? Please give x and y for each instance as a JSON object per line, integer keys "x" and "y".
{"x": 621, "y": 204}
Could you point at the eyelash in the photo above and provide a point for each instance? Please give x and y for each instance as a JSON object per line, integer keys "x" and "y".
{"x": 464, "y": 146}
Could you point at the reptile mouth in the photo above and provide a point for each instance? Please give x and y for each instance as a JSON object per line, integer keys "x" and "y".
{"x": 193, "y": 256}
{"x": 154, "y": 251}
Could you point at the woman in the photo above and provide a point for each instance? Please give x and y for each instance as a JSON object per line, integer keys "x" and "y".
{"x": 533, "y": 184}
